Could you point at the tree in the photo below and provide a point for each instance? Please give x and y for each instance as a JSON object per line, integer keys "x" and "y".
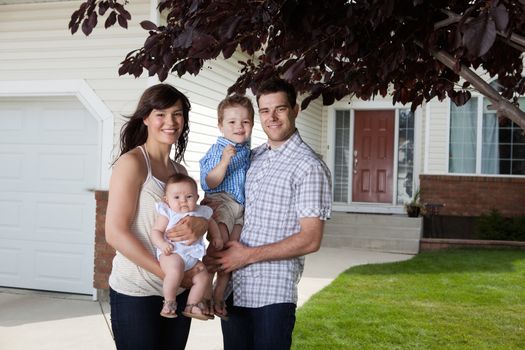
{"x": 414, "y": 50}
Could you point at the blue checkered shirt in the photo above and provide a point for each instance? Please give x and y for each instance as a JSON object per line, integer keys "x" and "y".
{"x": 235, "y": 177}
{"x": 283, "y": 185}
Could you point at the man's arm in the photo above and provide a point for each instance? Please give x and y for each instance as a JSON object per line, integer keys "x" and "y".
{"x": 306, "y": 241}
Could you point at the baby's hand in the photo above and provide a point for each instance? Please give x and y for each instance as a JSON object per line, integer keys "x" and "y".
{"x": 166, "y": 248}
{"x": 228, "y": 153}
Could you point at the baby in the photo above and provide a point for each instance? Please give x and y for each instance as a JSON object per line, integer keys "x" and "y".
{"x": 180, "y": 200}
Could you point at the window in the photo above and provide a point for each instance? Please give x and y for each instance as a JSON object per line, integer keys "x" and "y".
{"x": 482, "y": 143}
{"x": 405, "y": 156}
{"x": 342, "y": 149}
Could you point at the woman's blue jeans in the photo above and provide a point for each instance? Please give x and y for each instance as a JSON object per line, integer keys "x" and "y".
{"x": 137, "y": 324}
{"x": 263, "y": 328}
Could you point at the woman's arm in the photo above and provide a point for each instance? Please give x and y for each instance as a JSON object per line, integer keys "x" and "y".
{"x": 124, "y": 188}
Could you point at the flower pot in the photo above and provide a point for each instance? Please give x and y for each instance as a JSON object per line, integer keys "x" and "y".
{"x": 413, "y": 211}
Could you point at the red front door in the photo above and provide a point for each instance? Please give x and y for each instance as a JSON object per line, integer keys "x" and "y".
{"x": 373, "y": 156}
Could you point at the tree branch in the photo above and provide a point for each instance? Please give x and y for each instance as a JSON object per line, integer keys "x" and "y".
{"x": 503, "y": 106}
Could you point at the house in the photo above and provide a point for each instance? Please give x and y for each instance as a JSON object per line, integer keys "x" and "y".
{"x": 62, "y": 105}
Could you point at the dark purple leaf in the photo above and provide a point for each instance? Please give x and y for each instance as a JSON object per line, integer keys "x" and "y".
{"x": 232, "y": 26}
{"x": 229, "y": 50}
{"x": 125, "y": 14}
{"x": 93, "y": 19}
{"x": 292, "y": 72}
{"x": 122, "y": 21}
{"x": 479, "y": 35}
{"x": 111, "y": 20}
{"x": 148, "y": 25}
{"x": 328, "y": 98}
{"x": 74, "y": 28}
{"x": 163, "y": 74}
{"x": 74, "y": 18}
{"x": 102, "y": 7}
{"x": 501, "y": 17}
{"x": 184, "y": 39}
{"x": 86, "y": 28}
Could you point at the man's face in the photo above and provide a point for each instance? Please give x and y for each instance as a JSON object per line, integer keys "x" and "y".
{"x": 277, "y": 117}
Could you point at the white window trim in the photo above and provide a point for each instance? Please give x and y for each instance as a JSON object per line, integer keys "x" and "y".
{"x": 89, "y": 99}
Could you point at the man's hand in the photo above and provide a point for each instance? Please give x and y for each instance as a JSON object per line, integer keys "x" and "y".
{"x": 189, "y": 229}
{"x": 234, "y": 256}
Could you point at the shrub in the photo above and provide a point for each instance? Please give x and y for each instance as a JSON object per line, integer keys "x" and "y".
{"x": 494, "y": 226}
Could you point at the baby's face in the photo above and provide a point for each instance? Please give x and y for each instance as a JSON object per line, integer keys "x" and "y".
{"x": 236, "y": 125}
{"x": 182, "y": 197}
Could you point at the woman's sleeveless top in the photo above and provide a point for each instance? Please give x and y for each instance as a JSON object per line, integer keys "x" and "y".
{"x": 126, "y": 277}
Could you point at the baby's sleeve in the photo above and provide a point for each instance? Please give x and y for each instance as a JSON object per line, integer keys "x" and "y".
{"x": 162, "y": 209}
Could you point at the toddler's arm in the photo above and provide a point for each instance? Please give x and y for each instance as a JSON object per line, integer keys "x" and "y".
{"x": 217, "y": 174}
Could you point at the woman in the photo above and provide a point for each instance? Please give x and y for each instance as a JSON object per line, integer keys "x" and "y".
{"x": 137, "y": 182}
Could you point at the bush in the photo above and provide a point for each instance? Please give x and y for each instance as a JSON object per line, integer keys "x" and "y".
{"x": 494, "y": 226}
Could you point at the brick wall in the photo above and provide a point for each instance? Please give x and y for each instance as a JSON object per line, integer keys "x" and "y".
{"x": 474, "y": 195}
{"x": 103, "y": 252}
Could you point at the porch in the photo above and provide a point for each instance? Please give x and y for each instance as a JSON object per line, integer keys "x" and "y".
{"x": 386, "y": 233}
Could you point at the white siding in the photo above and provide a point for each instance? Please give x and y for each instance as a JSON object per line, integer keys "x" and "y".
{"x": 35, "y": 44}
{"x": 324, "y": 135}
{"x": 310, "y": 125}
{"x": 437, "y": 152}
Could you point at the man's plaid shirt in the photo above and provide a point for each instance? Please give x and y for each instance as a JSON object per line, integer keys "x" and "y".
{"x": 282, "y": 186}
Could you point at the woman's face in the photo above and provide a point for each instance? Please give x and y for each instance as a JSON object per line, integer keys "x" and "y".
{"x": 165, "y": 125}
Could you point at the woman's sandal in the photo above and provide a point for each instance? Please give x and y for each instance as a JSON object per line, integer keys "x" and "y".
{"x": 169, "y": 309}
{"x": 201, "y": 306}
{"x": 222, "y": 314}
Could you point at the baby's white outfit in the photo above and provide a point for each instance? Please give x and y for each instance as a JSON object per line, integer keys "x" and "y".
{"x": 190, "y": 254}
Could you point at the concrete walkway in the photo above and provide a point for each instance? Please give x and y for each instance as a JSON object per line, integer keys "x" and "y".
{"x": 43, "y": 320}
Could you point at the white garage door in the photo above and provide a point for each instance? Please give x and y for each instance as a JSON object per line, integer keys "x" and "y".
{"x": 49, "y": 160}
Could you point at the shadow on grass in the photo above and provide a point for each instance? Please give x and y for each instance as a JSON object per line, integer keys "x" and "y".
{"x": 447, "y": 261}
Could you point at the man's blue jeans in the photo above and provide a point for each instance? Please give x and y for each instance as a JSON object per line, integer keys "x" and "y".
{"x": 137, "y": 324}
{"x": 264, "y": 328}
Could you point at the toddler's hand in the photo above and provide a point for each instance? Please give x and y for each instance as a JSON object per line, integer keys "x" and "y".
{"x": 228, "y": 153}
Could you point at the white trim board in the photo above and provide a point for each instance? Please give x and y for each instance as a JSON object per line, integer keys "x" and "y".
{"x": 89, "y": 99}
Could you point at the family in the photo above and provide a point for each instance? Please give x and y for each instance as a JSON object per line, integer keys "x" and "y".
{"x": 263, "y": 211}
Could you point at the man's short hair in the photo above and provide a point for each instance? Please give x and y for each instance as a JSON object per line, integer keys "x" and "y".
{"x": 278, "y": 85}
{"x": 234, "y": 101}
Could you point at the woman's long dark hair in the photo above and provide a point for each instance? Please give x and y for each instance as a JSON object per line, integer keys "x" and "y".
{"x": 160, "y": 96}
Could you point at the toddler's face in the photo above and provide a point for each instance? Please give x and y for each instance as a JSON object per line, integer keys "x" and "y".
{"x": 181, "y": 197}
{"x": 236, "y": 124}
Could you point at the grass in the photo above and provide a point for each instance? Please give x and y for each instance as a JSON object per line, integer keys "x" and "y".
{"x": 454, "y": 299}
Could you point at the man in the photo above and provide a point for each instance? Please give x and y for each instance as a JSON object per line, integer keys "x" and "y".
{"x": 288, "y": 197}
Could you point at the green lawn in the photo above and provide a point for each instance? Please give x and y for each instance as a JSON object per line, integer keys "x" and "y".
{"x": 454, "y": 299}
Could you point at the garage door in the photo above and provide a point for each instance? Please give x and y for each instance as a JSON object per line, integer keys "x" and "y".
{"x": 49, "y": 161}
